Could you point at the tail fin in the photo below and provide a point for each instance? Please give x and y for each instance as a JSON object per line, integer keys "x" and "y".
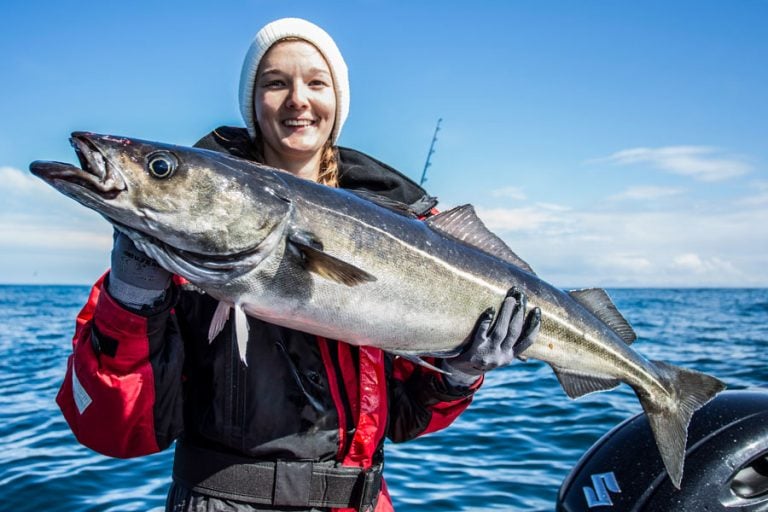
{"x": 669, "y": 418}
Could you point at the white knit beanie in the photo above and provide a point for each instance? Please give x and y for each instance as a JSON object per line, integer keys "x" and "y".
{"x": 301, "y": 29}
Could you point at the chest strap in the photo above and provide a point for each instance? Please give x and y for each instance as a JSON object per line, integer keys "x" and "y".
{"x": 281, "y": 483}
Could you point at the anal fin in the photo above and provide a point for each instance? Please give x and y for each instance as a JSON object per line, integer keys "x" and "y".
{"x": 578, "y": 384}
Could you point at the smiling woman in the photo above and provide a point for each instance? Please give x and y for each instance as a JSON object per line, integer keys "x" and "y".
{"x": 295, "y": 107}
{"x": 297, "y": 421}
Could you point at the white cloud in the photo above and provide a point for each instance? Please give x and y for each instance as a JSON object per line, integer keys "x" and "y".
{"x": 37, "y": 223}
{"x": 23, "y": 192}
{"x": 45, "y": 237}
{"x": 15, "y": 181}
{"x": 700, "y": 162}
{"x": 712, "y": 245}
{"x": 34, "y": 232}
{"x": 646, "y": 193}
{"x": 526, "y": 219}
{"x": 624, "y": 262}
{"x": 515, "y": 193}
{"x": 759, "y": 197}
{"x": 553, "y": 207}
{"x": 699, "y": 265}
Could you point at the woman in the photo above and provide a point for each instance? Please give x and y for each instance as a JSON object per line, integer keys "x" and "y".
{"x": 302, "y": 426}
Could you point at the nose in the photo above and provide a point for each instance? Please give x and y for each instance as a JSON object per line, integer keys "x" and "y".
{"x": 298, "y": 97}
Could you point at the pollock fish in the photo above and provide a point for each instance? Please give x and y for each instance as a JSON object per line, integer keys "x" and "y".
{"x": 337, "y": 264}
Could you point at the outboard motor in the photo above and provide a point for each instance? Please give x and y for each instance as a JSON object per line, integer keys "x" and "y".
{"x": 726, "y": 464}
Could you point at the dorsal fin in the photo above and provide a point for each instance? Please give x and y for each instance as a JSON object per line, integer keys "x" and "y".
{"x": 463, "y": 224}
{"x": 597, "y": 301}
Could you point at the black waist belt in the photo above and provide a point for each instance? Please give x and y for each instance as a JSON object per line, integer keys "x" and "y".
{"x": 280, "y": 483}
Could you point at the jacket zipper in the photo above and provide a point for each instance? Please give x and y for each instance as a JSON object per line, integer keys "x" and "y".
{"x": 236, "y": 398}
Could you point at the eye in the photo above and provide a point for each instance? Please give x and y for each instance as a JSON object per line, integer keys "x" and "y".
{"x": 162, "y": 164}
{"x": 273, "y": 84}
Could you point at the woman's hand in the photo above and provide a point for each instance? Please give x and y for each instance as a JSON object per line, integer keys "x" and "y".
{"x": 493, "y": 344}
{"x": 136, "y": 280}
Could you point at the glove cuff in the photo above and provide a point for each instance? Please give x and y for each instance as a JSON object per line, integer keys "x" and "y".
{"x": 457, "y": 377}
{"x": 132, "y": 296}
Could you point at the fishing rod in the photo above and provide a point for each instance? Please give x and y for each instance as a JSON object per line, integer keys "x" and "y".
{"x": 431, "y": 151}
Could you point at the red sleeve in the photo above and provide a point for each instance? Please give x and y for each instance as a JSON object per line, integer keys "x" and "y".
{"x": 421, "y": 401}
{"x": 110, "y": 396}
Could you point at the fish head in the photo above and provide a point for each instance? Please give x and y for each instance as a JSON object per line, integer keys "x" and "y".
{"x": 185, "y": 207}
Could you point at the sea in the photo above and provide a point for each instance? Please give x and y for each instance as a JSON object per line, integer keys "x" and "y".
{"x": 509, "y": 451}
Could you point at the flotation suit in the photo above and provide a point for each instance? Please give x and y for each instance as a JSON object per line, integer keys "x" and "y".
{"x": 301, "y": 426}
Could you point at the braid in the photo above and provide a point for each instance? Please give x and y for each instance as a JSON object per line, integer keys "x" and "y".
{"x": 329, "y": 166}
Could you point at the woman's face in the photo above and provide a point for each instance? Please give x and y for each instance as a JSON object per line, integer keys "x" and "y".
{"x": 295, "y": 103}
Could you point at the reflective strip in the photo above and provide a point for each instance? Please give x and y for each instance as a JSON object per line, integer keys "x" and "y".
{"x": 82, "y": 399}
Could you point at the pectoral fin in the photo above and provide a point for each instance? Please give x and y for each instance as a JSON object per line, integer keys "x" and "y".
{"x": 310, "y": 252}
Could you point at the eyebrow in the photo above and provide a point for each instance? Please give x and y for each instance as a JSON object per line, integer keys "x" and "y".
{"x": 276, "y": 71}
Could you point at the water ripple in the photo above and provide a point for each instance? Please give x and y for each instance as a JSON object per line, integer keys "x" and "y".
{"x": 509, "y": 451}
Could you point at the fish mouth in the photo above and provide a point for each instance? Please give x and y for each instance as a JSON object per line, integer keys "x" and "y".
{"x": 95, "y": 174}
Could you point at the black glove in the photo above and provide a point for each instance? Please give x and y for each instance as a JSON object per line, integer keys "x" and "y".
{"x": 494, "y": 345}
{"x": 136, "y": 280}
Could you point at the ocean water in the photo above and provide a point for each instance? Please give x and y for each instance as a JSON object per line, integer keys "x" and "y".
{"x": 509, "y": 451}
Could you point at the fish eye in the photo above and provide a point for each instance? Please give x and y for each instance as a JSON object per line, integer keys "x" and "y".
{"x": 162, "y": 164}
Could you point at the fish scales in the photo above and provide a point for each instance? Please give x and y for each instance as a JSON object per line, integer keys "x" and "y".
{"x": 395, "y": 303}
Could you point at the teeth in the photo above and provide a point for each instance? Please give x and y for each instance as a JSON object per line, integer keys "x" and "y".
{"x": 95, "y": 163}
{"x": 100, "y": 165}
{"x": 297, "y": 122}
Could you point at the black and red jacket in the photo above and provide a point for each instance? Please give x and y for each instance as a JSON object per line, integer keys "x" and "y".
{"x": 138, "y": 380}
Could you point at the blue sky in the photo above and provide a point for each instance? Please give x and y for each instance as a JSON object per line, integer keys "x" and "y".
{"x": 609, "y": 143}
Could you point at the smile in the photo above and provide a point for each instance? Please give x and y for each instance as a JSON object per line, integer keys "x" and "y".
{"x": 298, "y": 123}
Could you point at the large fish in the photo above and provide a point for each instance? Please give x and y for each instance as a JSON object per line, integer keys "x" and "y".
{"x": 331, "y": 263}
